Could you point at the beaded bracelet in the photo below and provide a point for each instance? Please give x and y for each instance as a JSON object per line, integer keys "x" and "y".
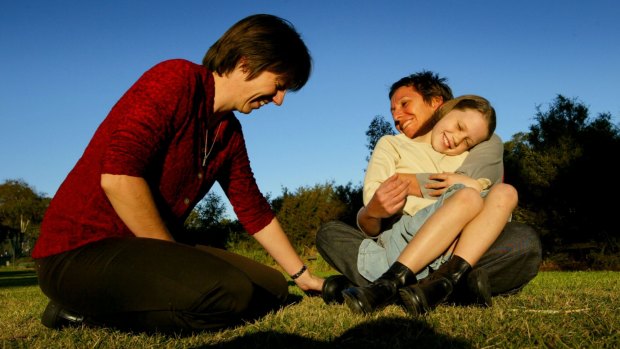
{"x": 298, "y": 274}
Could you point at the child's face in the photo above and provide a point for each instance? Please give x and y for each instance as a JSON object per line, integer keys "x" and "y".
{"x": 458, "y": 131}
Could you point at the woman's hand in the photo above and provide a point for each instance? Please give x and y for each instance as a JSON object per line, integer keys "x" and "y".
{"x": 310, "y": 283}
{"x": 389, "y": 198}
{"x": 276, "y": 243}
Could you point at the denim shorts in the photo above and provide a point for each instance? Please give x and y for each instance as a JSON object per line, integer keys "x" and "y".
{"x": 376, "y": 255}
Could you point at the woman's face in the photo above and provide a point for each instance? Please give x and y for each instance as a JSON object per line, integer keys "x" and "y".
{"x": 409, "y": 110}
{"x": 263, "y": 89}
{"x": 458, "y": 131}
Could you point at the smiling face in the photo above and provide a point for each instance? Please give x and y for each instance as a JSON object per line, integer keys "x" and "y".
{"x": 409, "y": 110}
{"x": 458, "y": 131}
{"x": 253, "y": 94}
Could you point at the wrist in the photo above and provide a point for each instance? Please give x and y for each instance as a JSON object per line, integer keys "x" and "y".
{"x": 301, "y": 271}
{"x": 366, "y": 212}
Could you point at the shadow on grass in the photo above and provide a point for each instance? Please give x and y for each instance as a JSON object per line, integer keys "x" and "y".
{"x": 18, "y": 278}
{"x": 390, "y": 332}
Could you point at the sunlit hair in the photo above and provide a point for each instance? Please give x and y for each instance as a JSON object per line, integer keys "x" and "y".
{"x": 426, "y": 83}
{"x": 464, "y": 102}
{"x": 263, "y": 43}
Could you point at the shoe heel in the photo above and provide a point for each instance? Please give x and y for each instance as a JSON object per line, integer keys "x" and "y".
{"x": 333, "y": 287}
{"x": 350, "y": 296}
{"x": 478, "y": 285}
{"x": 50, "y": 317}
{"x": 414, "y": 303}
{"x": 55, "y": 317}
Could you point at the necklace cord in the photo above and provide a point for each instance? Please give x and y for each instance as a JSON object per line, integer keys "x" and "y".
{"x": 204, "y": 160}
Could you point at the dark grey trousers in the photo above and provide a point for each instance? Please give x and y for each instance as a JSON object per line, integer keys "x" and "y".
{"x": 511, "y": 262}
{"x": 149, "y": 285}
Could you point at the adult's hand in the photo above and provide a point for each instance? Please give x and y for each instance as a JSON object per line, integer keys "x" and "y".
{"x": 442, "y": 181}
{"x": 389, "y": 199}
{"x": 310, "y": 283}
{"x": 277, "y": 244}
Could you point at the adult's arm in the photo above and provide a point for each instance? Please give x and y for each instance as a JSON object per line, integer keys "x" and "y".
{"x": 381, "y": 166}
{"x": 132, "y": 200}
{"x": 389, "y": 199}
{"x": 255, "y": 214}
{"x": 140, "y": 125}
{"x": 384, "y": 192}
{"x": 277, "y": 244}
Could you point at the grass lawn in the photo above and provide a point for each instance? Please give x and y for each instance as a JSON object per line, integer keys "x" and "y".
{"x": 556, "y": 310}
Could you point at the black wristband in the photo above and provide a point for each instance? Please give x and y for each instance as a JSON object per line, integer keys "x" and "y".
{"x": 298, "y": 274}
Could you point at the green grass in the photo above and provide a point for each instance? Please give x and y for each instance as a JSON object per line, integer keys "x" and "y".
{"x": 556, "y": 310}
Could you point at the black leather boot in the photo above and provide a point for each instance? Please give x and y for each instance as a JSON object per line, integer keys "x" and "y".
{"x": 333, "y": 287}
{"x": 441, "y": 285}
{"x": 381, "y": 292}
{"x": 474, "y": 289}
{"x": 56, "y": 317}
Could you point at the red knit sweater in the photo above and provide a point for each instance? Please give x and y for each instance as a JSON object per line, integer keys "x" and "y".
{"x": 156, "y": 131}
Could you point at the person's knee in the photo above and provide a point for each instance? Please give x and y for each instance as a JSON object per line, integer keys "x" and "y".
{"x": 522, "y": 239}
{"x": 325, "y": 233}
{"x": 230, "y": 298}
{"x": 467, "y": 193}
{"x": 519, "y": 254}
{"x": 531, "y": 249}
{"x": 468, "y": 198}
{"x": 518, "y": 246}
{"x": 504, "y": 195}
{"x": 225, "y": 305}
{"x": 278, "y": 288}
{"x": 527, "y": 236}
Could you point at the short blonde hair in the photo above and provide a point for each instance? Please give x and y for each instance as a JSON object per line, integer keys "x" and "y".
{"x": 474, "y": 102}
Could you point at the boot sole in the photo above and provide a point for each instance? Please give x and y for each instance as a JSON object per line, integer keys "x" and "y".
{"x": 353, "y": 303}
{"x": 414, "y": 303}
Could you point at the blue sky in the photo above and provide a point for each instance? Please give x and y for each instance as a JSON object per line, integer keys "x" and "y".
{"x": 63, "y": 65}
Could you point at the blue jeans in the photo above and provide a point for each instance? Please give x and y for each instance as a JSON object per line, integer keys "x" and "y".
{"x": 511, "y": 262}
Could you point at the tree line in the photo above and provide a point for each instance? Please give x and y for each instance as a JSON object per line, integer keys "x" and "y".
{"x": 556, "y": 166}
{"x": 21, "y": 213}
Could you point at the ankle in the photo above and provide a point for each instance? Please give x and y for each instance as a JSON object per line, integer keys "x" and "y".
{"x": 400, "y": 275}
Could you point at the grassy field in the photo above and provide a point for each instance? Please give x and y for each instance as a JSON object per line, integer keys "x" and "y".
{"x": 556, "y": 310}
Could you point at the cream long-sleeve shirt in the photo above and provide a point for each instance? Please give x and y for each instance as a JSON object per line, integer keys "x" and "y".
{"x": 405, "y": 155}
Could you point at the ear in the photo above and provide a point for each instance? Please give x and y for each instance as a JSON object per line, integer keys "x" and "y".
{"x": 436, "y": 102}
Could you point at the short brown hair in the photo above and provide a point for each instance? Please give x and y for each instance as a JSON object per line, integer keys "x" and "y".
{"x": 427, "y": 84}
{"x": 266, "y": 43}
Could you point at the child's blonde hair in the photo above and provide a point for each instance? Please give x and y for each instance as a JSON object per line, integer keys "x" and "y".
{"x": 474, "y": 102}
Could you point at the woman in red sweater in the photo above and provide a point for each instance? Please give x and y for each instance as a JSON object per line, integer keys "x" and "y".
{"x": 111, "y": 252}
